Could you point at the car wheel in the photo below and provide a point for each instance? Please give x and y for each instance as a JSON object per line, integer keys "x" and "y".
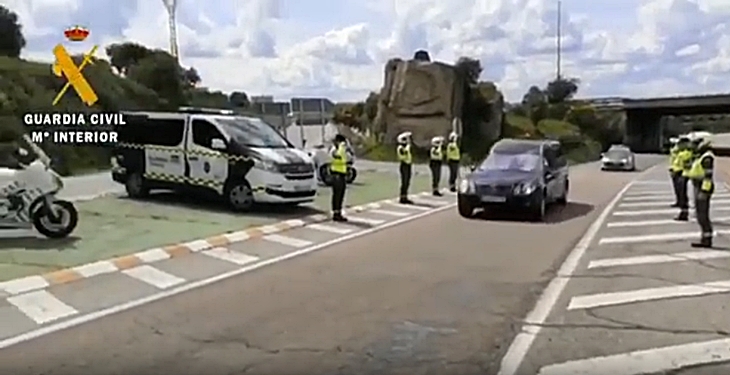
{"x": 239, "y": 196}
{"x": 563, "y": 200}
{"x": 538, "y": 212}
{"x": 466, "y": 209}
{"x": 135, "y": 186}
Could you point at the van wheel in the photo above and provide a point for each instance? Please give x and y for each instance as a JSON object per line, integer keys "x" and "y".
{"x": 135, "y": 186}
{"x": 239, "y": 196}
{"x": 465, "y": 208}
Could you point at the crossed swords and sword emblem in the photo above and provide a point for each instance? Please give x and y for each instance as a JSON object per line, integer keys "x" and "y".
{"x": 65, "y": 66}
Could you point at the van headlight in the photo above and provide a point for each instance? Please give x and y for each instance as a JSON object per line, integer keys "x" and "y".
{"x": 266, "y": 165}
{"x": 466, "y": 186}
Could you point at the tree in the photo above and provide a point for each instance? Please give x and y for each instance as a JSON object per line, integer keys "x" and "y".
{"x": 239, "y": 99}
{"x": 561, "y": 89}
{"x": 191, "y": 78}
{"x": 469, "y": 68}
{"x": 159, "y": 72}
{"x": 125, "y": 55}
{"x": 533, "y": 97}
{"x": 12, "y": 40}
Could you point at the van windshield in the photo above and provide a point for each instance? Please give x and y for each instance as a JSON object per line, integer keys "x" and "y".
{"x": 253, "y": 132}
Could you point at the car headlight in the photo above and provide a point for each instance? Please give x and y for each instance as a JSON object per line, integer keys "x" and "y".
{"x": 525, "y": 188}
{"x": 266, "y": 165}
{"x": 466, "y": 186}
{"x": 605, "y": 160}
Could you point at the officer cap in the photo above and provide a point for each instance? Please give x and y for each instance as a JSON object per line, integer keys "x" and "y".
{"x": 340, "y": 138}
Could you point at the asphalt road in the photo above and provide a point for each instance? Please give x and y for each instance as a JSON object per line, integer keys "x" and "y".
{"x": 435, "y": 295}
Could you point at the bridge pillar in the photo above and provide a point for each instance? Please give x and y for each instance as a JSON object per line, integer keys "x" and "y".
{"x": 643, "y": 130}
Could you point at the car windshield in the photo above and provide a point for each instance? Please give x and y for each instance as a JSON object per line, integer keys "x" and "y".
{"x": 617, "y": 154}
{"x": 253, "y": 132}
{"x": 511, "y": 162}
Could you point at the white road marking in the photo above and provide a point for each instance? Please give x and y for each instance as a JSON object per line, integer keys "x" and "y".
{"x": 652, "y": 361}
{"x": 41, "y": 306}
{"x": 659, "y": 258}
{"x": 238, "y": 236}
{"x": 289, "y": 241}
{"x": 655, "y": 237}
{"x": 390, "y": 213}
{"x": 430, "y": 202}
{"x": 669, "y": 192}
{"x": 659, "y": 212}
{"x": 667, "y": 203}
{"x": 23, "y": 285}
{"x": 668, "y": 196}
{"x": 82, "y": 319}
{"x": 364, "y": 220}
{"x": 650, "y": 294}
{"x": 412, "y": 206}
{"x": 153, "y": 276}
{"x": 268, "y": 229}
{"x": 652, "y": 182}
{"x": 230, "y": 256}
{"x": 198, "y": 245}
{"x": 642, "y": 223}
{"x": 154, "y": 255}
{"x": 521, "y": 344}
{"x": 329, "y": 228}
{"x": 96, "y": 268}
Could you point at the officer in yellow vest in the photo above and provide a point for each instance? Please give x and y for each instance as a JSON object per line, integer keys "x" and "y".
{"x": 437, "y": 160}
{"x": 453, "y": 157}
{"x": 338, "y": 171}
{"x": 701, "y": 175}
{"x": 682, "y": 164}
{"x": 673, "y": 171}
{"x": 405, "y": 157}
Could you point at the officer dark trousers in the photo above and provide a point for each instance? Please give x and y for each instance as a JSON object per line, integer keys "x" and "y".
{"x": 682, "y": 199}
{"x": 339, "y": 184}
{"x": 453, "y": 173}
{"x": 435, "y": 166}
{"x": 702, "y": 210}
{"x": 405, "y": 180}
{"x": 675, "y": 176}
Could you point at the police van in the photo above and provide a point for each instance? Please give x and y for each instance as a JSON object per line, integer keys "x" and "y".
{"x": 242, "y": 159}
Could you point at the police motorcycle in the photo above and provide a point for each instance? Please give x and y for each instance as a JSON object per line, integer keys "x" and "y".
{"x": 322, "y": 160}
{"x": 28, "y": 195}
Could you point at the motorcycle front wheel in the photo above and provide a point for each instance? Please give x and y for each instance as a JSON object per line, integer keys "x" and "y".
{"x": 61, "y": 228}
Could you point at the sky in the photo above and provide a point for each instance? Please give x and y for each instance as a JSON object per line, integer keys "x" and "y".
{"x": 338, "y": 48}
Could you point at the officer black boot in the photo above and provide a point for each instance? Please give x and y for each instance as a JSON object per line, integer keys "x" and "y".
{"x": 437, "y": 193}
{"x": 405, "y": 200}
{"x": 683, "y": 216}
{"x": 704, "y": 242}
{"x": 452, "y": 189}
{"x": 338, "y": 217}
{"x": 674, "y": 205}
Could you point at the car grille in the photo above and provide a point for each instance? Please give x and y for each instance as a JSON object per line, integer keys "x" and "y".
{"x": 500, "y": 190}
{"x": 296, "y": 168}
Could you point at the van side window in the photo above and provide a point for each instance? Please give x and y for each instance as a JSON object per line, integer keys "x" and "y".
{"x": 204, "y": 132}
{"x": 549, "y": 155}
{"x": 561, "y": 160}
{"x": 152, "y": 131}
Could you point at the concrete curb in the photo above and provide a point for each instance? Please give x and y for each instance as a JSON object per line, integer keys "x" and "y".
{"x": 103, "y": 267}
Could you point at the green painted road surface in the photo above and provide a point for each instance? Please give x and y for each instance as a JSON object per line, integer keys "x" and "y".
{"x": 114, "y": 226}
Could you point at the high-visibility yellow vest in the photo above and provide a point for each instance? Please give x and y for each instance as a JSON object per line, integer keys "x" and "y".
{"x": 437, "y": 153}
{"x": 452, "y": 152}
{"x": 684, "y": 158}
{"x": 697, "y": 172}
{"x": 404, "y": 154}
{"x": 339, "y": 159}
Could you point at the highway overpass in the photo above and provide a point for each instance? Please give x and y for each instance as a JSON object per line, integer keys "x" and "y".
{"x": 643, "y": 116}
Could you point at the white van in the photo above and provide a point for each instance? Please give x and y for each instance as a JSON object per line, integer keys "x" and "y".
{"x": 242, "y": 159}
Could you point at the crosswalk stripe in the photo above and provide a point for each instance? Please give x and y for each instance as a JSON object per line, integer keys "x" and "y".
{"x": 389, "y": 213}
{"x": 289, "y": 241}
{"x": 365, "y": 220}
{"x": 642, "y": 223}
{"x": 649, "y": 294}
{"x": 41, "y": 306}
{"x": 667, "y": 211}
{"x": 412, "y": 206}
{"x": 654, "y": 237}
{"x": 329, "y": 228}
{"x": 666, "y": 203}
{"x": 668, "y": 196}
{"x": 235, "y": 257}
{"x": 431, "y": 202}
{"x": 659, "y": 258}
{"x": 651, "y": 361}
{"x": 658, "y": 192}
{"x": 153, "y": 276}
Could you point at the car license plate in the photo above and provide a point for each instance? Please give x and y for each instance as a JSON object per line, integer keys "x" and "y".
{"x": 493, "y": 199}
{"x": 301, "y": 188}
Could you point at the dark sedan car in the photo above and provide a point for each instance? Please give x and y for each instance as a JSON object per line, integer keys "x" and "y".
{"x": 519, "y": 174}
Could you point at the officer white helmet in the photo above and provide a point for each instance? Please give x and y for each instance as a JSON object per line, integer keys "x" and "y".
{"x": 404, "y": 137}
{"x": 453, "y": 137}
{"x": 437, "y": 141}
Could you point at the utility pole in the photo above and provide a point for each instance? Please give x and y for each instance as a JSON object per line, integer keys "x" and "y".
{"x": 170, "y": 5}
{"x": 559, "y": 48}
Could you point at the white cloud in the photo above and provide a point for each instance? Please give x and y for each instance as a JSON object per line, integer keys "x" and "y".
{"x": 281, "y": 47}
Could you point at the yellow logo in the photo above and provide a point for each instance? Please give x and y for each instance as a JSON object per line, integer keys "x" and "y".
{"x": 65, "y": 66}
